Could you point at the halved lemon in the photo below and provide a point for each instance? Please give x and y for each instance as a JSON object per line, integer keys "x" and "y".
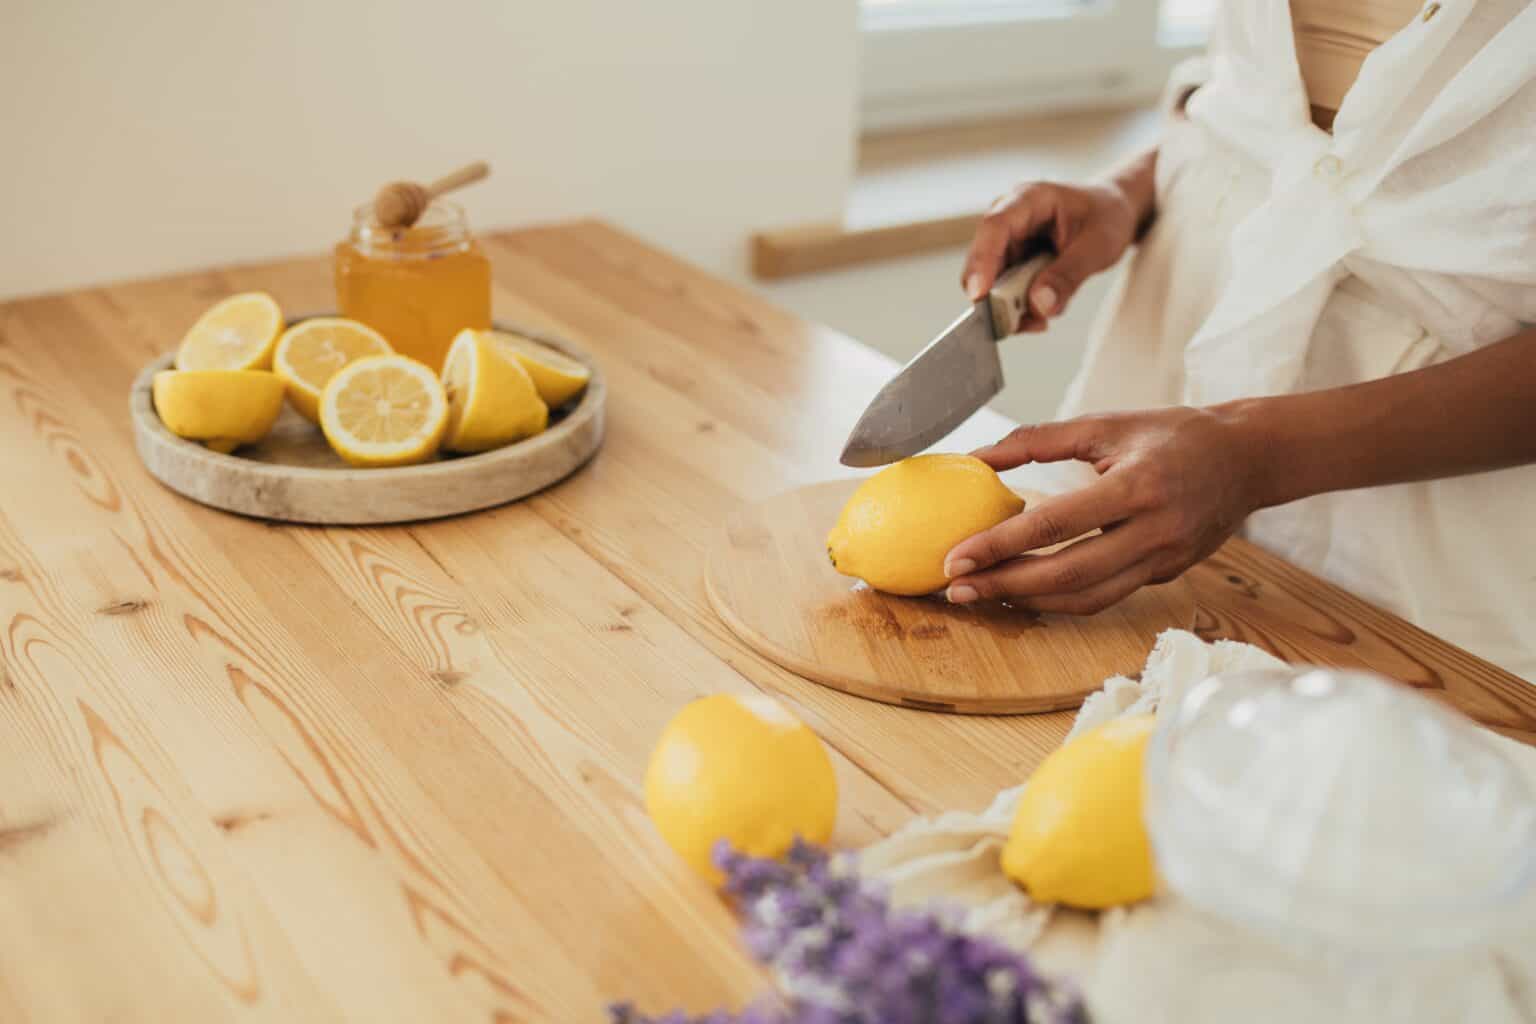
{"x": 384, "y": 411}
{"x": 491, "y": 399}
{"x": 309, "y": 354}
{"x": 558, "y": 377}
{"x": 222, "y": 408}
{"x": 235, "y": 334}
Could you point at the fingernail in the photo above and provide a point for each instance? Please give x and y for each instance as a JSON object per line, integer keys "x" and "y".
{"x": 1045, "y": 300}
{"x": 961, "y": 594}
{"x": 958, "y": 567}
{"x": 973, "y": 287}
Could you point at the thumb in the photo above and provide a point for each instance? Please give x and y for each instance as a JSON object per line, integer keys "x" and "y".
{"x": 1058, "y": 282}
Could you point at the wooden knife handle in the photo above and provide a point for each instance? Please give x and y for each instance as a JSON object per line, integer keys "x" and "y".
{"x": 1009, "y": 297}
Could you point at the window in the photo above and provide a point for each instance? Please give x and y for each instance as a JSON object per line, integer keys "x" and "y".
{"x": 932, "y": 61}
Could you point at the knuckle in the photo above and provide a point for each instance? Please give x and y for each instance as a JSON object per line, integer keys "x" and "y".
{"x": 1022, "y": 435}
{"x": 1148, "y": 492}
{"x": 1049, "y": 528}
{"x": 994, "y": 548}
{"x": 1068, "y": 578}
{"x": 1170, "y": 543}
{"x": 986, "y": 586}
{"x": 1081, "y": 605}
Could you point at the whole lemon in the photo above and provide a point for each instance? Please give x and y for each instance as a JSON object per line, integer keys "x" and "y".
{"x": 741, "y": 769}
{"x": 896, "y": 529}
{"x": 1079, "y": 837}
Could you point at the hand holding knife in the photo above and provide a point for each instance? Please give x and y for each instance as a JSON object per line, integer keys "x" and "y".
{"x": 954, "y": 375}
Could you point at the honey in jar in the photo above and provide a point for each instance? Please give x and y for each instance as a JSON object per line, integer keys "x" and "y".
{"x": 417, "y": 286}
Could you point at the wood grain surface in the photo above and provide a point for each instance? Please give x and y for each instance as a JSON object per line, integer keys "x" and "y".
{"x": 293, "y": 474}
{"x": 768, "y": 578}
{"x": 258, "y": 771}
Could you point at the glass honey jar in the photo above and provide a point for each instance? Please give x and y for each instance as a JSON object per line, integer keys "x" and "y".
{"x": 418, "y": 286}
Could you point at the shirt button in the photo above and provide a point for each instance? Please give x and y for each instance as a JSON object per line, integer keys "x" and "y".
{"x": 1430, "y": 11}
{"x": 1328, "y": 167}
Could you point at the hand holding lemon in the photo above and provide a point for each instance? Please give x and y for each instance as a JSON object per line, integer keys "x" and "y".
{"x": 898, "y": 526}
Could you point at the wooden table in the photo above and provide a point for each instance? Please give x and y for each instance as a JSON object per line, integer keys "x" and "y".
{"x": 287, "y": 773}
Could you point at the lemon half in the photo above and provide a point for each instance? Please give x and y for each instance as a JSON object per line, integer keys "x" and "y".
{"x": 310, "y": 352}
{"x": 384, "y": 411}
{"x": 491, "y": 398}
{"x": 558, "y": 377}
{"x": 222, "y": 408}
{"x": 235, "y": 334}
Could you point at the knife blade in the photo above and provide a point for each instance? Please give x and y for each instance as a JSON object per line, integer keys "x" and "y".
{"x": 954, "y": 375}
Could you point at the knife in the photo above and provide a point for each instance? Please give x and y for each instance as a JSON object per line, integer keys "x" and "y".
{"x": 953, "y": 376}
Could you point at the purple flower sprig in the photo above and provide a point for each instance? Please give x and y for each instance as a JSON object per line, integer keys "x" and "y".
{"x": 842, "y": 955}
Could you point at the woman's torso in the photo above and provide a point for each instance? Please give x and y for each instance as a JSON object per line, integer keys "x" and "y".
{"x": 1333, "y": 38}
{"x": 1456, "y": 556}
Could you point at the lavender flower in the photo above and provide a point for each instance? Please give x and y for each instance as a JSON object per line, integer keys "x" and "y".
{"x": 842, "y": 955}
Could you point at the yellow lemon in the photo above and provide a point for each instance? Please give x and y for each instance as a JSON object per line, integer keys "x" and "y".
{"x": 236, "y": 334}
{"x": 491, "y": 398}
{"x": 898, "y": 526}
{"x": 1079, "y": 837}
{"x": 222, "y": 408}
{"x": 310, "y": 352}
{"x": 384, "y": 411}
{"x": 742, "y": 769}
{"x": 558, "y": 377}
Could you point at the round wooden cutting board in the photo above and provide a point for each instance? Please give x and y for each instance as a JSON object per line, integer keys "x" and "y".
{"x": 769, "y": 580}
{"x": 293, "y": 474}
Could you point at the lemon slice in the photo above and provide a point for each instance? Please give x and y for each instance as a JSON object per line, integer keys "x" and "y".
{"x": 222, "y": 408}
{"x": 310, "y": 352}
{"x": 491, "y": 399}
{"x": 558, "y": 377}
{"x": 236, "y": 334}
{"x": 384, "y": 411}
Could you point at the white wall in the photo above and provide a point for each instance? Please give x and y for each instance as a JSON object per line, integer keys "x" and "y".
{"x": 142, "y": 138}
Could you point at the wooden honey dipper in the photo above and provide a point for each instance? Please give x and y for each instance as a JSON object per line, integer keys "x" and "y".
{"x": 400, "y": 203}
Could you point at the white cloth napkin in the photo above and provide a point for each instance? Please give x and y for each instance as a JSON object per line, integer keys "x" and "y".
{"x": 1161, "y": 961}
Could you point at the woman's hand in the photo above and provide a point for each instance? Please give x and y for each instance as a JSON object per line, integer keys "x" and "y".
{"x": 1088, "y": 226}
{"x": 1173, "y": 485}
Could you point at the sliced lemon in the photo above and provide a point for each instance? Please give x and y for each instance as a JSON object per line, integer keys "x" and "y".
{"x": 384, "y": 411}
{"x": 558, "y": 377}
{"x": 309, "y": 354}
{"x": 491, "y": 398}
{"x": 222, "y": 408}
{"x": 235, "y": 334}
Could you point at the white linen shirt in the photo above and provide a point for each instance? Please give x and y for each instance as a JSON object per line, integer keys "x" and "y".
{"x": 1284, "y": 259}
{"x": 1425, "y": 190}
